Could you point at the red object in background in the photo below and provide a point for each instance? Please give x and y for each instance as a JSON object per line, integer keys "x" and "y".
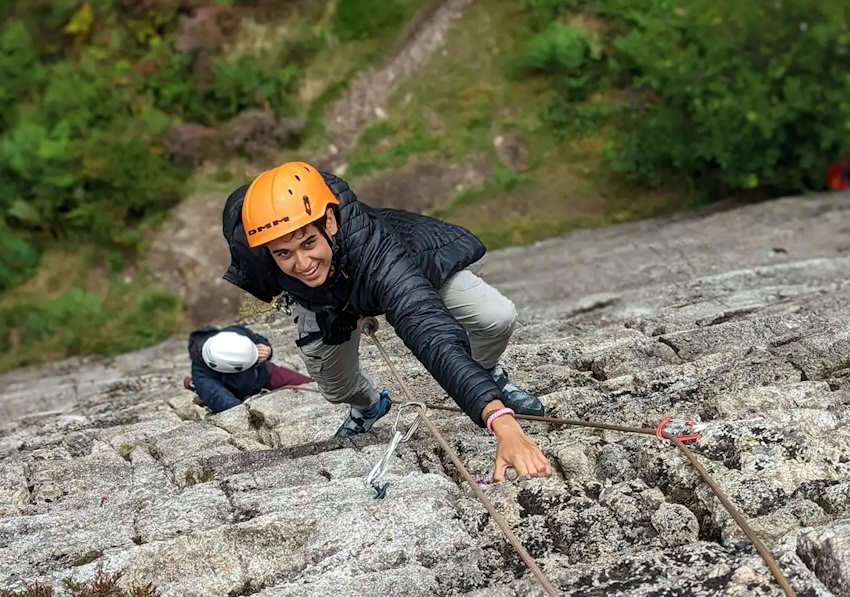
{"x": 838, "y": 176}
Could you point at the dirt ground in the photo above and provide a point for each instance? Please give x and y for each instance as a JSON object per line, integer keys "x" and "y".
{"x": 421, "y": 186}
{"x": 189, "y": 255}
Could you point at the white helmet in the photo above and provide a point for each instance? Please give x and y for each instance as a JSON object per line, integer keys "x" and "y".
{"x": 229, "y": 352}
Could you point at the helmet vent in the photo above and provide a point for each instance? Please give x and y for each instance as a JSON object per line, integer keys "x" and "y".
{"x": 298, "y": 178}
{"x": 307, "y": 207}
{"x": 290, "y": 191}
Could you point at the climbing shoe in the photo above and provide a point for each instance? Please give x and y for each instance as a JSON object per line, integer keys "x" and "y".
{"x": 516, "y": 398}
{"x": 361, "y": 420}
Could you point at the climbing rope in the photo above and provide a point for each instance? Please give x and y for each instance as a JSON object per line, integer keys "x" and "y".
{"x": 369, "y": 326}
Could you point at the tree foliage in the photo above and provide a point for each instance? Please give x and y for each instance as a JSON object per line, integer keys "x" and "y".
{"x": 732, "y": 95}
{"x": 90, "y": 93}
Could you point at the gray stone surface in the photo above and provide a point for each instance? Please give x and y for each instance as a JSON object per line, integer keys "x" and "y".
{"x": 739, "y": 320}
{"x": 827, "y": 553}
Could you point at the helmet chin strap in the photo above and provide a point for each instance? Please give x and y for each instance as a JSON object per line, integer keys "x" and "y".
{"x": 334, "y": 249}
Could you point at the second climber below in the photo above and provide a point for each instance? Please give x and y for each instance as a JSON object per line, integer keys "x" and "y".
{"x": 298, "y": 232}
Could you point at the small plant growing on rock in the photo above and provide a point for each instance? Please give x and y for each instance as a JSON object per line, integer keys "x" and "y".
{"x": 34, "y": 590}
{"x": 125, "y": 450}
{"x": 194, "y": 477}
{"x": 102, "y": 585}
{"x": 106, "y": 585}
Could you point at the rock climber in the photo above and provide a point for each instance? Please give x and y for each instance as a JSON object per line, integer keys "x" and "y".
{"x": 233, "y": 363}
{"x": 301, "y": 235}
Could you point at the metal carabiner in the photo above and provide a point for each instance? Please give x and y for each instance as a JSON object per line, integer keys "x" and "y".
{"x": 416, "y": 421}
{"x": 376, "y": 476}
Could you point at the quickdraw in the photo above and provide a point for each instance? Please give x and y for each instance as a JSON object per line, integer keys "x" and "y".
{"x": 375, "y": 478}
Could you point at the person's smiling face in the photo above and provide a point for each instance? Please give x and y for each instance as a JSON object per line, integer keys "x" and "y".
{"x": 305, "y": 254}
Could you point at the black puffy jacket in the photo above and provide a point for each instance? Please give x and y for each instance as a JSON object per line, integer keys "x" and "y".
{"x": 388, "y": 262}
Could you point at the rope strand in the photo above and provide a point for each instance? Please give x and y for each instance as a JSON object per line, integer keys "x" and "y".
{"x": 737, "y": 516}
{"x": 733, "y": 511}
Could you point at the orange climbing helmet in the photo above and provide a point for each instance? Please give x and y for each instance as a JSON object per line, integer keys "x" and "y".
{"x": 282, "y": 200}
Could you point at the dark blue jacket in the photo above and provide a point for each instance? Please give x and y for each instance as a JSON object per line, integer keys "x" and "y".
{"x": 220, "y": 391}
{"x": 391, "y": 262}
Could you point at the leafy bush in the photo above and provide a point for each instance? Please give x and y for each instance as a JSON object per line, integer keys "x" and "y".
{"x": 558, "y": 49}
{"x": 86, "y": 156}
{"x": 736, "y": 95}
{"x": 730, "y": 95}
{"x": 18, "y": 258}
{"x": 563, "y": 53}
{"x": 84, "y": 152}
{"x": 244, "y": 82}
{"x": 50, "y": 14}
{"x": 20, "y": 69}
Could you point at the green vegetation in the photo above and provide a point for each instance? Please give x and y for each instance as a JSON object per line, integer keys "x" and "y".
{"x": 82, "y": 149}
{"x": 449, "y": 109}
{"x": 626, "y": 109}
{"x": 53, "y": 316}
{"x": 574, "y": 113}
{"x": 124, "y": 450}
{"x": 729, "y": 96}
{"x": 487, "y": 87}
{"x": 91, "y": 91}
{"x": 367, "y": 19}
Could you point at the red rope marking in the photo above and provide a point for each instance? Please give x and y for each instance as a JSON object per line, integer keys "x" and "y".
{"x": 685, "y": 437}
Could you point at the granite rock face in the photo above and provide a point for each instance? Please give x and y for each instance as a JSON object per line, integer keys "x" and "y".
{"x": 738, "y": 319}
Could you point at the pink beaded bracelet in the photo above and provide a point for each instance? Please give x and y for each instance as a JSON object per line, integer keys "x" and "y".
{"x": 495, "y": 415}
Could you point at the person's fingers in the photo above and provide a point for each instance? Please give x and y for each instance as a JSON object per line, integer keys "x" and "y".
{"x": 499, "y": 470}
{"x": 522, "y": 466}
{"x": 543, "y": 467}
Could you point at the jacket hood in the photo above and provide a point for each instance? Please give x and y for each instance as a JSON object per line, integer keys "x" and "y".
{"x": 196, "y": 342}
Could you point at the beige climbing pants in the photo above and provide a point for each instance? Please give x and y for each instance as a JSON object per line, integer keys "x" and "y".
{"x": 486, "y": 314}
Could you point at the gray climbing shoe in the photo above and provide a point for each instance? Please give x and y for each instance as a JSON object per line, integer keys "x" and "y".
{"x": 516, "y": 398}
{"x": 361, "y": 421}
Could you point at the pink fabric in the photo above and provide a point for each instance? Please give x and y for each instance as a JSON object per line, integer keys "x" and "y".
{"x": 281, "y": 376}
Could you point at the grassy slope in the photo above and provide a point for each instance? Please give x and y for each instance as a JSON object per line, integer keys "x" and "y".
{"x": 461, "y": 101}
{"x": 80, "y": 303}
